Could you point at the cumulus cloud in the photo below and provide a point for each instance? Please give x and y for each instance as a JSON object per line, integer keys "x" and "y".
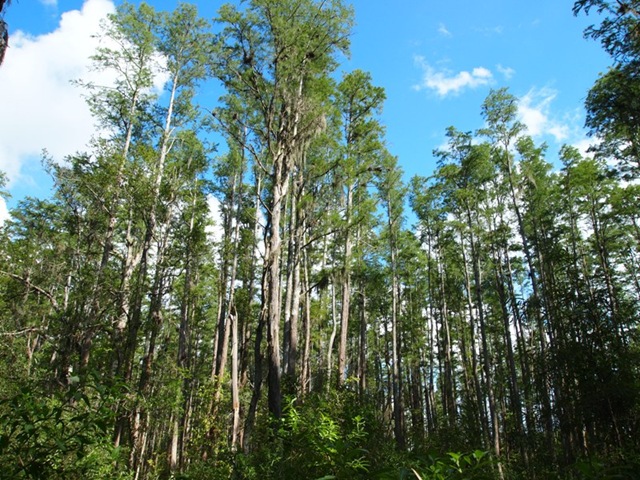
{"x": 534, "y": 110}
{"x": 41, "y": 108}
{"x": 445, "y": 82}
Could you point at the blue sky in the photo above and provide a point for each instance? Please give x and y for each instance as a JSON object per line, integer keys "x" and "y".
{"x": 437, "y": 61}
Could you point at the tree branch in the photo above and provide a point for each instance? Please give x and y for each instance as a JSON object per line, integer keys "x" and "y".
{"x": 33, "y": 287}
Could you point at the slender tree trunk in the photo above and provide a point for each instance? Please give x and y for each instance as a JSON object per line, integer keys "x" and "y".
{"x": 184, "y": 349}
{"x": 480, "y": 404}
{"x": 295, "y": 320}
{"x": 286, "y": 337}
{"x": 273, "y": 287}
{"x": 346, "y": 291}
{"x": 257, "y": 377}
{"x": 223, "y": 345}
{"x": 486, "y": 355}
{"x": 537, "y": 304}
{"x": 293, "y": 299}
{"x": 334, "y": 330}
{"x": 398, "y": 406}
{"x": 362, "y": 363}
{"x": 235, "y": 394}
{"x": 305, "y": 379}
{"x": 448, "y": 393}
{"x": 514, "y": 389}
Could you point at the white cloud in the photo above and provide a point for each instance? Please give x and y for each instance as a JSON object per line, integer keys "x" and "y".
{"x": 214, "y": 230}
{"x": 4, "y": 211}
{"x": 442, "y": 30}
{"x": 50, "y": 3}
{"x": 41, "y": 109}
{"x": 584, "y": 144}
{"x": 490, "y": 31}
{"x": 445, "y": 82}
{"x": 534, "y": 110}
{"x": 507, "y": 72}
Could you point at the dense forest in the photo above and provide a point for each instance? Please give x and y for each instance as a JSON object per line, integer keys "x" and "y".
{"x": 312, "y": 332}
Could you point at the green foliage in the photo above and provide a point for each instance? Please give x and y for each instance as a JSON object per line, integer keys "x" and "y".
{"x": 612, "y": 103}
{"x": 612, "y": 110}
{"x": 219, "y": 468}
{"x": 475, "y": 465}
{"x": 453, "y": 466}
{"x": 323, "y": 436}
{"x": 3, "y": 185}
{"x": 65, "y": 436}
{"x": 618, "y": 28}
{"x": 605, "y": 469}
{"x": 333, "y": 436}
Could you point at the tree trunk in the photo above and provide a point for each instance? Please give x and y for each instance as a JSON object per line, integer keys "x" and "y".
{"x": 346, "y": 292}
{"x": 273, "y": 287}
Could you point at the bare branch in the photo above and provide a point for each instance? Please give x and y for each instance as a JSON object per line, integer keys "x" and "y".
{"x": 33, "y": 287}
{"x": 24, "y": 331}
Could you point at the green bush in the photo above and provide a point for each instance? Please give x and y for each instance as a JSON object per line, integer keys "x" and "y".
{"x": 65, "y": 435}
{"x": 338, "y": 435}
{"x": 329, "y": 436}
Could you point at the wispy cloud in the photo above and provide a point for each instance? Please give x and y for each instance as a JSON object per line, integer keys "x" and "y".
{"x": 50, "y": 3}
{"x": 507, "y": 72}
{"x": 489, "y": 31}
{"x": 443, "y": 30}
{"x": 544, "y": 122}
{"x": 534, "y": 110}
{"x": 445, "y": 82}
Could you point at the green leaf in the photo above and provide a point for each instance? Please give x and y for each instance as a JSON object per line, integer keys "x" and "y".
{"x": 479, "y": 454}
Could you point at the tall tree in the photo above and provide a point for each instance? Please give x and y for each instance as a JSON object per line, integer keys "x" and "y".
{"x": 276, "y": 56}
{"x": 359, "y": 101}
{"x": 392, "y": 191}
